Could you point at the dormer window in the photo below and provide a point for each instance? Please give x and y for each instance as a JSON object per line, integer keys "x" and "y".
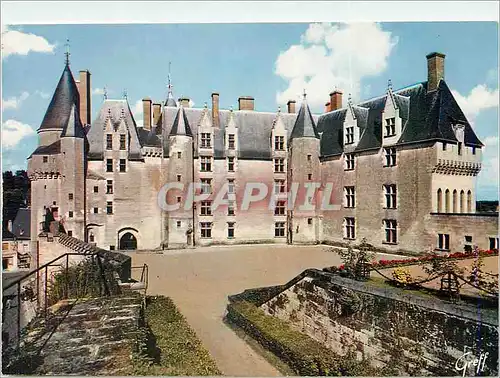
{"x": 349, "y": 135}
{"x": 390, "y": 127}
{"x": 231, "y": 142}
{"x": 109, "y": 141}
{"x": 122, "y": 142}
{"x": 205, "y": 140}
{"x": 279, "y": 143}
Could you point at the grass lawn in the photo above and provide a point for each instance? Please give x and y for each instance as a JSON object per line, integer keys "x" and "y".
{"x": 170, "y": 347}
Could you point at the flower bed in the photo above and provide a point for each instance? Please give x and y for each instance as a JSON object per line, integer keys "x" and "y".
{"x": 383, "y": 264}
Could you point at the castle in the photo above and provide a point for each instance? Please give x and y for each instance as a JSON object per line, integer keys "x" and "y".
{"x": 402, "y": 167}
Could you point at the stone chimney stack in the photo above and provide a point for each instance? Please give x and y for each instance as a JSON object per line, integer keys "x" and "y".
{"x": 156, "y": 113}
{"x": 146, "y": 113}
{"x": 184, "y": 101}
{"x": 327, "y": 107}
{"x": 291, "y": 106}
{"x": 246, "y": 103}
{"x": 85, "y": 97}
{"x": 215, "y": 110}
{"x": 335, "y": 100}
{"x": 435, "y": 70}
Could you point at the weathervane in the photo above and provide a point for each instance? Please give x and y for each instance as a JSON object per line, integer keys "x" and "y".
{"x": 67, "y": 53}
{"x": 125, "y": 94}
{"x": 389, "y": 84}
{"x": 304, "y": 95}
{"x": 169, "y": 86}
{"x": 105, "y": 94}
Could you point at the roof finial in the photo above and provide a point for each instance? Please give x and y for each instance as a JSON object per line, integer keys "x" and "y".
{"x": 169, "y": 86}
{"x": 231, "y": 108}
{"x": 125, "y": 94}
{"x": 105, "y": 94}
{"x": 304, "y": 95}
{"x": 67, "y": 53}
{"x": 389, "y": 84}
{"x": 349, "y": 99}
{"x": 279, "y": 109}
{"x": 205, "y": 105}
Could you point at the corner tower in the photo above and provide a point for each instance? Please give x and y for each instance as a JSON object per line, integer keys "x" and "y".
{"x": 304, "y": 176}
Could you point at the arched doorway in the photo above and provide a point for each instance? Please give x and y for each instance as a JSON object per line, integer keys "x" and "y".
{"x": 128, "y": 241}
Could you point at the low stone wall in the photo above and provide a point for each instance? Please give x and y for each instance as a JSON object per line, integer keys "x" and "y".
{"x": 411, "y": 333}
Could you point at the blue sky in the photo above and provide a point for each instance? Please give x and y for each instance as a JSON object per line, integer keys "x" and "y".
{"x": 271, "y": 62}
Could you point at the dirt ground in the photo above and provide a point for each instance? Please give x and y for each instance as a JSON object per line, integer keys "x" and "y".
{"x": 200, "y": 280}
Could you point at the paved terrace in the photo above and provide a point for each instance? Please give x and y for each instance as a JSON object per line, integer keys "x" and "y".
{"x": 200, "y": 280}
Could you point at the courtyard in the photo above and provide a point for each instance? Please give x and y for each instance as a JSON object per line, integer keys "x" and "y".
{"x": 200, "y": 280}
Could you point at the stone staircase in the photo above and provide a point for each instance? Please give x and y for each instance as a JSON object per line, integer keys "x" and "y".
{"x": 87, "y": 337}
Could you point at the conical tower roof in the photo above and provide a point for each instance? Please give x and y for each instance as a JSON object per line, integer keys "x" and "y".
{"x": 74, "y": 126}
{"x": 60, "y": 108}
{"x": 304, "y": 123}
{"x": 181, "y": 124}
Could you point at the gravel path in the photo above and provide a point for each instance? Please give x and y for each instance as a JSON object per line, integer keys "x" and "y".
{"x": 200, "y": 280}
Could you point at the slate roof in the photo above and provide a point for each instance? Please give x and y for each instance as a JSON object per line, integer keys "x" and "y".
{"x": 116, "y": 111}
{"x": 65, "y": 96}
{"x": 21, "y": 226}
{"x": 73, "y": 127}
{"x": 181, "y": 124}
{"x": 425, "y": 116}
{"x": 51, "y": 149}
{"x": 304, "y": 124}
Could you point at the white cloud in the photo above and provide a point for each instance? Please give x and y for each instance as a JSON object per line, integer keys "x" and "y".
{"x": 489, "y": 170}
{"x": 479, "y": 98}
{"x": 17, "y": 42}
{"x": 137, "y": 112}
{"x": 191, "y": 103}
{"x": 14, "y": 102}
{"x": 333, "y": 56}
{"x": 13, "y": 131}
{"x": 42, "y": 94}
{"x": 100, "y": 91}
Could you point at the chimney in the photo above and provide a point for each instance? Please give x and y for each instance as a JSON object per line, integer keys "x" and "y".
{"x": 85, "y": 97}
{"x": 215, "y": 110}
{"x": 246, "y": 103}
{"x": 184, "y": 101}
{"x": 146, "y": 113}
{"x": 327, "y": 107}
{"x": 435, "y": 70}
{"x": 335, "y": 100}
{"x": 291, "y": 106}
{"x": 156, "y": 113}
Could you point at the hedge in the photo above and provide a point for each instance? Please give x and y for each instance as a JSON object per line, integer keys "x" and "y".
{"x": 304, "y": 355}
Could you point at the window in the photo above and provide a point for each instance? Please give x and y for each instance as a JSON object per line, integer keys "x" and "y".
{"x": 447, "y": 201}
{"x": 349, "y": 135}
{"x": 96, "y": 189}
{"x": 462, "y": 200}
{"x": 309, "y": 176}
{"x": 179, "y": 199}
{"x": 390, "y": 127}
{"x": 469, "y": 201}
{"x": 455, "y": 199}
{"x": 350, "y": 228}
{"x": 179, "y": 155}
{"x": 444, "y": 241}
{"x": 230, "y": 208}
{"x": 122, "y": 141}
{"x": 206, "y": 164}
{"x": 70, "y": 233}
{"x": 279, "y": 165}
{"x": 206, "y": 186}
{"x": 493, "y": 243}
{"x": 439, "y": 200}
{"x": 230, "y": 142}
{"x": 390, "y": 196}
{"x": 349, "y": 196}
{"x": 111, "y": 247}
{"x": 206, "y": 208}
{"x": 279, "y": 229}
{"x": 179, "y": 224}
{"x": 230, "y": 230}
{"x": 179, "y": 178}
{"x": 279, "y": 186}
{"x": 230, "y": 164}
{"x": 96, "y": 210}
{"x": 206, "y": 229}
{"x": 279, "y": 143}
{"x": 109, "y": 142}
{"x": 473, "y": 150}
{"x": 109, "y": 207}
{"x": 444, "y": 146}
{"x": 109, "y": 187}
{"x": 309, "y": 157}
{"x": 390, "y": 231}
{"x": 349, "y": 162}
{"x": 109, "y": 165}
{"x": 70, "y": 214}
{"x": 205, "y": 140}
{"x": 230, "y": 186}
{"x": 309, "y": 221}
{"x": 123, "y": 165}
{"x": 45, "y": 159}
{"x": 280, "y": 208}
{"x": 70, "y": 196}
{"x": 91, "y": 238}
{"x": 390, "y": 157}
{"x": 460, "y": 148}
{"x": 468, "y": 243}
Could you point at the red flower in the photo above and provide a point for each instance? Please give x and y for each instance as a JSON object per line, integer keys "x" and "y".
{"x": 341, "y": 267}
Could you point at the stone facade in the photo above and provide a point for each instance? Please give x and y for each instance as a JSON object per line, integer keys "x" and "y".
{"x": 388, "y": 178}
